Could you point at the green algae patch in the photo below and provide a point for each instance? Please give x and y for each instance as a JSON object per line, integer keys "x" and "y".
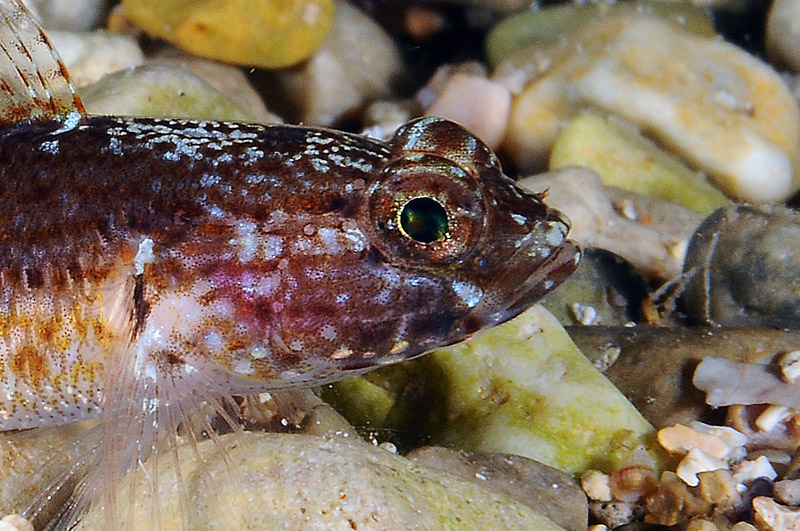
{"x": 522, "y": 388}
{"x": 525, "y": 388}
{"x": 261, "y": 33}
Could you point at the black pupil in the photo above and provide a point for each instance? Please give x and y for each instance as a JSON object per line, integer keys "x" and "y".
{"x": 424, "y": 220}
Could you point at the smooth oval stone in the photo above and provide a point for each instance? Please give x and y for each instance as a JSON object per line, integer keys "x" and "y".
{"x": 262, "y": 33}
{"x": 742, "y": 263}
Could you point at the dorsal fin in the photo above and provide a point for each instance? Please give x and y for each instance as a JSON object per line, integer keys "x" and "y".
{"x": 34, "y": 84}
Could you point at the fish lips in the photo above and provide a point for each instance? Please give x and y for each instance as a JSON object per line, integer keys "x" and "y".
{"x": 533, "y": 271}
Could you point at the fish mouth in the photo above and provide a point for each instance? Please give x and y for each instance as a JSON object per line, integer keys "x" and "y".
{"x": 533, "y": 272}
{"x": 549, "y": 275}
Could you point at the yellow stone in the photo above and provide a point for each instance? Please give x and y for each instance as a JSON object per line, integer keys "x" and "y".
{"x": 626, "y": 159}
{"x": 261, "y": 33}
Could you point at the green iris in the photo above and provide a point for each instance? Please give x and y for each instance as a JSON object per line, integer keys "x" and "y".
{"x": 424, "y": 220}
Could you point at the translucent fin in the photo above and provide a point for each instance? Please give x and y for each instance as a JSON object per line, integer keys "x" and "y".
{"x": 55, "y": 458}
{"x": 34, "y": 84}
{"x": 149, "y": 413}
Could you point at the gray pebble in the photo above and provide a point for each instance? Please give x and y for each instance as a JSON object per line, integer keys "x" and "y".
{"x": 545, "y": 489}
{"x": 742, "y": 263}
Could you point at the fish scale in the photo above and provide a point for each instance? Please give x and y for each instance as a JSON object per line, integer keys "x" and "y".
{"x": 152, "y": 268}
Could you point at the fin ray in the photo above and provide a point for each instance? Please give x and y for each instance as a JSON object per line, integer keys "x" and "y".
{"x": 34, "y": 83}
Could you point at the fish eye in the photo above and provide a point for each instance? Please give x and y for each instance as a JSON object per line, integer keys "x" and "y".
{"x": 423, "y": 219}
{"x": 427, "y": 209}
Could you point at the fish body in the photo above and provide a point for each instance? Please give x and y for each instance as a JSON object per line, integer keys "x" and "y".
{"x": 151, "y": 267}
{"x": 273, "y": 256}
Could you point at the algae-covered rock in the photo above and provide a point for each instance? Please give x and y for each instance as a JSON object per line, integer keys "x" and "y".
{"x": 226, "y": 79}
{"x": 520, "y": 388}
{"x": 526, "y": 389}
{"x": 160, "y": 91}
{"x": 262, "y": 33}
{"x": 626, "y": 159}
{"x": 549, "y": 491}
{"x": 290, "y": 481}
{"x": 548, "y": 25}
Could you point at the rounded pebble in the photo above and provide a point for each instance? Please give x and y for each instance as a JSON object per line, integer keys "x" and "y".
{"x": 549, "y": 491}
{"x": 90, "y": 56}
{"x": 68, "y": 15}
{"x": 160, "y": 90}
{"x": 358, "y": 63}
{"x": 742, "y": 268}
{"x": 783, "y": 33}
{"x": 722, "y": 110}
{"x": 263, "y": 33}
{"x": 285, "y": 481}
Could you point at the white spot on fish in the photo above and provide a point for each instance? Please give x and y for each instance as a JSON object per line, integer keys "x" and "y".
{"x": 209, "y": 180}
{"x": 301, "y": 245}
{"x": 243, "y": 367}
{"x": 214, "y": 342}
{"x": 216, "y": 211}
{"x": 328, "y": 332}
{"x": 144, "y": 255}
{"x": 555, "y": 235}
{"x": 273, "y": 247}
{"x": 247, "y": 240}
{"x": 70, "y": 123}
{"x": 259, "y": 353}
{"x": 518, "y": 218}
{"x": 467, "y": 292}
{"x": 252, "y": 178}
{"x": 330, "y": 240}
{"x": 115, "y": 146}
{"x": 49, "y": 146}
{"x": 315, "y": 274}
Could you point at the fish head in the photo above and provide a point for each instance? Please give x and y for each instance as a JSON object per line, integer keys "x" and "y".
{"x": 420, "y": 248}
{"x": 474, "y": 248}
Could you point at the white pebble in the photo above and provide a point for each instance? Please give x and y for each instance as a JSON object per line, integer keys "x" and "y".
{"x": 790, "y": 366}
{"x": 585, "y": 314}
{"x": 772, "y": 416}
{"x": 680, "y": 439}
{"x": 15, "y": 522}
{"x": 787, "y": 491}
{"x": 477, "y": 103}
{"x": 774, "y": 516}
{"x": 596, "y": 485}
{"x": 695, "y": 462}
{"x": 751, "y": 469}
